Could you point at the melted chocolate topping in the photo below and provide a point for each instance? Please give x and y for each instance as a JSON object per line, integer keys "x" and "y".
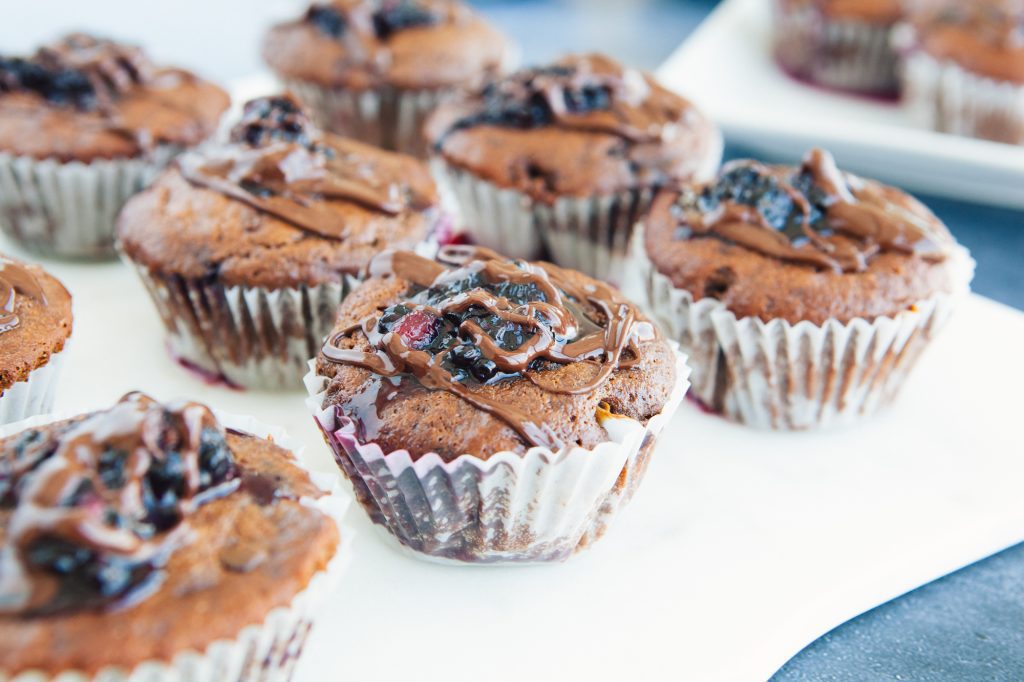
{"x": 474, "y": 318}
{"x": 15, "y": 280}
{"x": 79, "y": 70}
{"x": 281, "y": 164}
{"x": 98, "y": 504}
{"x": 814, "y": 214}
{"x": 590, "y": 93}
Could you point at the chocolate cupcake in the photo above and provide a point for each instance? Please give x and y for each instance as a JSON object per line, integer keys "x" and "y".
{"x": 159, "y": 542}
{"x": 35, "y": 324}
{"x": 248, "y": 247}
{"x": 86, "y": 123}
{"x": 841, "y": 44}
{"x": 965, "y": 67}
{"x": 567, "y": 157}
{"x": 492, "y": 410}
{"x": 373, "y": 70}
{"x": 803, "y": 295}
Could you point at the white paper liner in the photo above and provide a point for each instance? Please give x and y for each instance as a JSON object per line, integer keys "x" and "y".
{"x": 260, "y": 652}
{"x": 533, "y": 507}
{"x": 943, "y": 96}
{"x": 69, "y": 209}
{"x": 250, "y": 336}
{"x": 780, "y": 375}
{"x": 589, "y": 234}
{"x": 838, "y": 53}
{"x": 36, "y": 394}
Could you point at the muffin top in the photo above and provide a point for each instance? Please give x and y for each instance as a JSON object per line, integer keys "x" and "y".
{"x": 84, "y": 98}
{"x": 871, "y": 11}
{"x": 281, "y": 204}
{"x": 35, "y": 319}
{"x": 806, "y": 243}
{"x": 407, "y": 44}
{"x": 144, "y": 530}
{"x": 983, "y": 36}
{"x": 585, "y": 125}
{"x": 477, "y": 354}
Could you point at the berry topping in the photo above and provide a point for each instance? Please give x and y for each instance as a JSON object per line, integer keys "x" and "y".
{"x": 399, "y": 15}
{"x": 327, "y": 19}
{"x": 273, "y": 119}
{"x": 61, "y": 86}
{"x": 417, "y": 329}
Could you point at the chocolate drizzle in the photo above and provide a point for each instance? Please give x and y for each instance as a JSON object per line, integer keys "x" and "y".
{"x": 15, "y": 280}
{"x": 814, "y": 215}
{"x": 279, "y": 163}
{"x": 590, "y": 93}
{"x": 99, "y": 503}
{"x": 473, "y": 319}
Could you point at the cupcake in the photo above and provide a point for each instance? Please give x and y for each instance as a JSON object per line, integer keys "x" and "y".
{"x": 492, "y": 410}
{"x": 567, "y": 157}
{"x": 86, "y": 123}
{"x": 35, "y": 323}
{"x": 802, "y": 295}
{"x": 155, "y": 541}
{"x": 964, "y": 69}
{"x": 373, "y": 69}
{"x": 247, "y": 248}
{"x": 841, "y": 44}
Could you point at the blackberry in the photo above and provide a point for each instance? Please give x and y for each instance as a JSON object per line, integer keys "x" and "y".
{"x": 269, "y": 119}
{"x": 68, "y": 87}
{"x": 327, "y": 20}
{"x": 398, "y": 16}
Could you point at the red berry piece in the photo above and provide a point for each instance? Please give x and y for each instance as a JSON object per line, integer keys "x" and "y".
{"x": 418, "y": 329}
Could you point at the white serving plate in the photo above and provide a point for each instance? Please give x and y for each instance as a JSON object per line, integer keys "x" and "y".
{"x": 741, "y": 547}
{"x": 726, "y": 66}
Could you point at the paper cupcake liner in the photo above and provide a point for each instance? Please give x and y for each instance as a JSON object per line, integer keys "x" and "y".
{"x": 943, "y": 96}
{"x": 389, "y": 118}
{"x": 838, "y": 53}
{"x": 262, "y": 652}
{"x": 780, "y": 375}
{"x": 589, "y": 234}
{"x": 251, "y": 337}
{"x": 538, "y": 506}
{"x": 35, "y": 395}
{"x": 69, "y": 209}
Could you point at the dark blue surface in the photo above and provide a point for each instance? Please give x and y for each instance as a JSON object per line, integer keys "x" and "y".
{"x": 967, "y": 626}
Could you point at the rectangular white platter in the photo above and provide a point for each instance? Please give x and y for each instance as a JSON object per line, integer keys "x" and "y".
{"x": 726, "y": 66}
{"x": 740, "y": 548}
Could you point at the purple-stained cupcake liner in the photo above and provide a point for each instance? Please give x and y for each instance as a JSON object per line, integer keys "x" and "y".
{"x": 779, "y": 375}
{"x": 944, "y": 96}
{"x": 508, "y": 508}
{"x": 69, "y": 209}
{"x": 845, "y": 54}
{"x": 36, "y": 394}
{"x": 261, "y": 652}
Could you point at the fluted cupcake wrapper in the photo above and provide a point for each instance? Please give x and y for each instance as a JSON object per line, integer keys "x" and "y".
{"x": 251, "y": 337}
{"x": 838, "y": 53}
{"x": 69, "y": 209}
{"x": 942, "y": 95}
{"x": 781, "y": 375}
{"x": 262, "y": 652}
{"x": 36, "y": 394}
{"x": 538, "y": 506}
{"x": 388, "y": 117}
{"x": 589, "y": 234}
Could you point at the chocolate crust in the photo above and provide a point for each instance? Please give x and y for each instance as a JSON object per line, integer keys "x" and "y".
{"x": 42, "y": 330}
{"x": 462, "y": 52}
{"x": 200, "y": 601}
{"x": 423, "y": 421}
{"x": 177, "y": 228}
{"x": 752, "y": 284}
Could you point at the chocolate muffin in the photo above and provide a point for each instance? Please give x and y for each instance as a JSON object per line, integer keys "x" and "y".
{"x": 567, "y": 157}
{"x": 248, "y": 247}
{"x": 803, "y": 295}
{"x": 373, "y": 69}
{"x": 491, "y": 410}
{"x": 84, "y": 124}
{"x": 35, "y": 324}
{"x": 842, "y": 44}
{"x": 158, "y": 540}
{"x": 965, "y": 67}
